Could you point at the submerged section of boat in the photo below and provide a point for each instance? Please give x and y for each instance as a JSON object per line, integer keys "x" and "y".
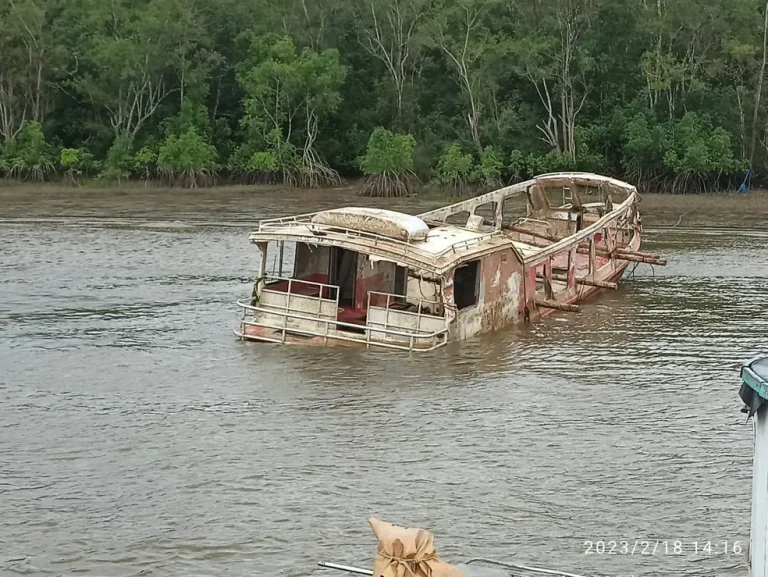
{"x": 378, "y": 278}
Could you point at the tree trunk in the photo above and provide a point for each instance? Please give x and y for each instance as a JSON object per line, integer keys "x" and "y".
{"x": 742, "y": 121}
{"x": 759, "y": 91}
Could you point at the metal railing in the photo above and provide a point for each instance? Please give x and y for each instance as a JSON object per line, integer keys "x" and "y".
{"x": 437, "y": 338}
{"x": 506, "y": 565}
{"x": 286, "y": 220}
{"x": 418, "y": 315}
{"x": 305, "y": 220}
{"x": 332, "y": 327}
{"x": 391, "y": 299}
{"x": 573, "y": 178}
{"x": 274, "y": 279}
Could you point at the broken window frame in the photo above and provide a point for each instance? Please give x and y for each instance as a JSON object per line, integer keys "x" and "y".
{"x": 281, "y": 259}
{"x": 477, "y": 265}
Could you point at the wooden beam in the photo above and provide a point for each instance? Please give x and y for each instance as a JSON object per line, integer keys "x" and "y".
{"x": 544, "y": 235}
{"x": 629, "y": 255}
{"x": 597, "y": 283}
{"x": 637, "y": 253}
{"x": 547, "y": 304}
{"x": 625, "y": 252}
{"x": 640, "y": 257}
{"x": 587, "y": 282}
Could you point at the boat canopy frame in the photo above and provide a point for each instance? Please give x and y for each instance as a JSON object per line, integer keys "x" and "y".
{"x": 300, "y": 228}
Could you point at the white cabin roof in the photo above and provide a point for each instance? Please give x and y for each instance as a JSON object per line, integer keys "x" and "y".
{"x": 442, "y": 238}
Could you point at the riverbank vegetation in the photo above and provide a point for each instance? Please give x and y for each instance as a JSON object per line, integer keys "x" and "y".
{"x": 463, "y": 94}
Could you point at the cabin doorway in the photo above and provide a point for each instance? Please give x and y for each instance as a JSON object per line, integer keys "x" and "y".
{"x": 466, "y": 284}
{"x": 343, "y": 271}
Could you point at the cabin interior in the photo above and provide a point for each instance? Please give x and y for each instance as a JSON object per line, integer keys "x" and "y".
{"x": 320, "y": 271}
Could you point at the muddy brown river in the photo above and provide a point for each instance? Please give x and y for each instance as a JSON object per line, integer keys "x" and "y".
{"x": 139, "y": 437}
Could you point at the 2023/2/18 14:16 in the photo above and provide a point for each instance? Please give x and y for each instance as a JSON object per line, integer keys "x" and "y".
{"x": 662, "y": 547}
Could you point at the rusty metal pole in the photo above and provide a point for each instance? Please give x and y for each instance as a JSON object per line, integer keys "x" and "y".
{"x": 754, "y": 393}
{"x": 263, "y": 247}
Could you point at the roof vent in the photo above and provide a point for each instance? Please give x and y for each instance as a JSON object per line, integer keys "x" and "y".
{"x": 474, "y": 222}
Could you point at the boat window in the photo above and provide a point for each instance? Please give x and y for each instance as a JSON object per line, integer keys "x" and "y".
{"x": 514, "y": 209}
{"x": 487, "y": 211}
{"x": 466, "y": 284}
{"x": 281, "y": 256}
{"x": 458, "y": 219}
{"x": 557, "y": 195}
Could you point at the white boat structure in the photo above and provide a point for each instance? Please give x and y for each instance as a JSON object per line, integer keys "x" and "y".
{"x": 368, "y": 277}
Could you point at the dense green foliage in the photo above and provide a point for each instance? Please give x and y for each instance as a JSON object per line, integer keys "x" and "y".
{"x": 466, "y": 93}
{"x": 287, "y": 94}
{"x": 388, "y": 162}
{"x": 28, "y": 155}
{"x": 454, "y": 168}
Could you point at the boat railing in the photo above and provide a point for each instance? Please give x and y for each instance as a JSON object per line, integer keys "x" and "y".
{"x": 408, "y": 248}
{"x": 432, "y": 340}
{"x": 604, "y": 222}
{"x": 322, "y": 288}
{"x": 391, "y": 298}
{"x": 317, "y": 316}
{"x": 305, "y": 221}
{"x": 467, "y": 242}
{"x": 516, "y": 567}
{"x": 383, "y": 317}
{"x": 286, "y": 220}
{"x": 469, "y": 205}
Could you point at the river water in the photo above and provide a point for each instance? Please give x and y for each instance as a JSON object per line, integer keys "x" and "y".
{"x": 140, "y": 438}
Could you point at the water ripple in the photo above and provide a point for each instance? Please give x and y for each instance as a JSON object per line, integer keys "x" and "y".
{"x": 140, "y": 439}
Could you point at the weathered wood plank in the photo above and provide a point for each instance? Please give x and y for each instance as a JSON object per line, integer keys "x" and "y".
{"x": 549, "y": 304}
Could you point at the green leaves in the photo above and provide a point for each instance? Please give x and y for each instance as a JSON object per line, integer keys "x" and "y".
{"x": 131, "y": 56}
{"x": 675, "y": 149}
{"x": 666, "y": 94}
{"x": 388, "y": 163}
{"x": 75, "y": 162}
{"x": 186, "y": 157}
{"x": 282, "y": 84}
{"x": 263, "y": 162}
{"x": 488, "y": 172}
{"x": 700, "y": 148}
{"x": 28, "y": 155}
{"x": 69, "y": 157}
{"x": 28, "y": 60}
{"x": 186, "y": 152}
{"x": 288, "y": 94}
{"x": 454, "y": 168}
{"x": 120, "y": 161}
{"x": 388, "y": 153}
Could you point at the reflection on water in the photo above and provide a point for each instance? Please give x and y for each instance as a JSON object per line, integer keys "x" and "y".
{"x": 141, "y": 438}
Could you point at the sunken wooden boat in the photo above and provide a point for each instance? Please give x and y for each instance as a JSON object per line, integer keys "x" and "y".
{"x": 369, "y": 277}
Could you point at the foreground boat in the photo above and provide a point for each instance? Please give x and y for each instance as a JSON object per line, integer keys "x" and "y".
{"x": 407, "y": 552}
{"x": 378, "y": 278}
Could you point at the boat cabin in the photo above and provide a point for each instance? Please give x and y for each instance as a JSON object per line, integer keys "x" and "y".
{"x": 371, "y": 277}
